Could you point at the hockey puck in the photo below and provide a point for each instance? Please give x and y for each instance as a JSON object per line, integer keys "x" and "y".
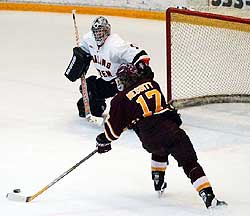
{"x": 16, "y": 190}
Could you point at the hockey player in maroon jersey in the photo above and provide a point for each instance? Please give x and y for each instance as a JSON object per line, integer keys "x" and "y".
{"x": 141, "y": 105}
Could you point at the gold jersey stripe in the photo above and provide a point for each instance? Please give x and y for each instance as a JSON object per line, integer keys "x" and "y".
{"x": 202, "y": 186}
{"x": 158, "y": 169}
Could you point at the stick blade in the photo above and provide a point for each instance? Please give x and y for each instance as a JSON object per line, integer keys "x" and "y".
{"x": 16, "y": 197}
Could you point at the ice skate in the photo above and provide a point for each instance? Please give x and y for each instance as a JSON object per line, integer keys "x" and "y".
{"x": 159, "y": 184}
{"x": 209, "y": 199}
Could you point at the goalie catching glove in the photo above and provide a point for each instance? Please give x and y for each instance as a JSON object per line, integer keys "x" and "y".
{"x": 102, "y": 143}
{"x": 78, "y": 65}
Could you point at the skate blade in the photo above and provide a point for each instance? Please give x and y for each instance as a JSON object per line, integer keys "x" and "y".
{"x": 218, "y": 204}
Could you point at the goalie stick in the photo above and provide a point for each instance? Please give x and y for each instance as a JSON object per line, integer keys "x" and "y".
{"x": 19, "y": 198}
{"x": 89, "y": 117}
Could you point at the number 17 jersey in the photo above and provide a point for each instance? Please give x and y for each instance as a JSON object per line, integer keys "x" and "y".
{"x": 132, "y": 105}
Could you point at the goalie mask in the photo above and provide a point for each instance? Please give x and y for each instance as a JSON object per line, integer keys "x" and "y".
{"x": 101, "y": 30}
{"x": 127, "y": 75}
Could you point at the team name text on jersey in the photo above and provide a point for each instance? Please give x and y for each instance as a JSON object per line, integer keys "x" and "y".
{"x": 101, "y": 61}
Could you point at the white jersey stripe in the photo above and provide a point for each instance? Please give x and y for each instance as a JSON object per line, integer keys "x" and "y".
{"x": 158, "y": 164}
{"x": 200, "y": 181}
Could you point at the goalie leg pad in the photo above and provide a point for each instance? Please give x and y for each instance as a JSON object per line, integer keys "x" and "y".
{"x": 81, "y": 109}
{"x": 100, "y": 88}
{"x": 96, "y": 100}
{"x": 79, "y": 64}
{"x": 97, "y": 107}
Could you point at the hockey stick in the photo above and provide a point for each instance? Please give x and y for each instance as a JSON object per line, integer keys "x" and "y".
{"x": 89, "y": 117}
{"x": 20, "y": 198}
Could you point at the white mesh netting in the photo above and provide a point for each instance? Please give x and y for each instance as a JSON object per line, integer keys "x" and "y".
{"x": 209, "y": 61}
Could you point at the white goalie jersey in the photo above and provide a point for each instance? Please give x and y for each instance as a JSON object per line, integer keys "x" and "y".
{"x": 111, "y": 54}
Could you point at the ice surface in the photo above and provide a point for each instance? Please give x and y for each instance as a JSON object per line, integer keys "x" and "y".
{"x": 41, "y": 135}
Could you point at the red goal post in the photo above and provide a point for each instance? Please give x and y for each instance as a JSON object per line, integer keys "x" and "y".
{"x": 208, "y": 58}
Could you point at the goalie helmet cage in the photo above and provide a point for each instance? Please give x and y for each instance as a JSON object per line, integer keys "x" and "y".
{"x": 208, "y": 58}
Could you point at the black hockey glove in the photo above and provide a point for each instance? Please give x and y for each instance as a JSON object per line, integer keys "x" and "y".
{"x": 173, "y": 115}
{"x": 102, "y": 143}
{"x": 78, "y": 65}
{"x": 144, "y": 69}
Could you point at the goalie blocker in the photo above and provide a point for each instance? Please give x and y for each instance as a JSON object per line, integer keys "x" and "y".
{"x": 79, "y": 64}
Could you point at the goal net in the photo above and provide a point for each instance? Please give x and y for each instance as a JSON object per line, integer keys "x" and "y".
{"x": 208, "y": 58}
